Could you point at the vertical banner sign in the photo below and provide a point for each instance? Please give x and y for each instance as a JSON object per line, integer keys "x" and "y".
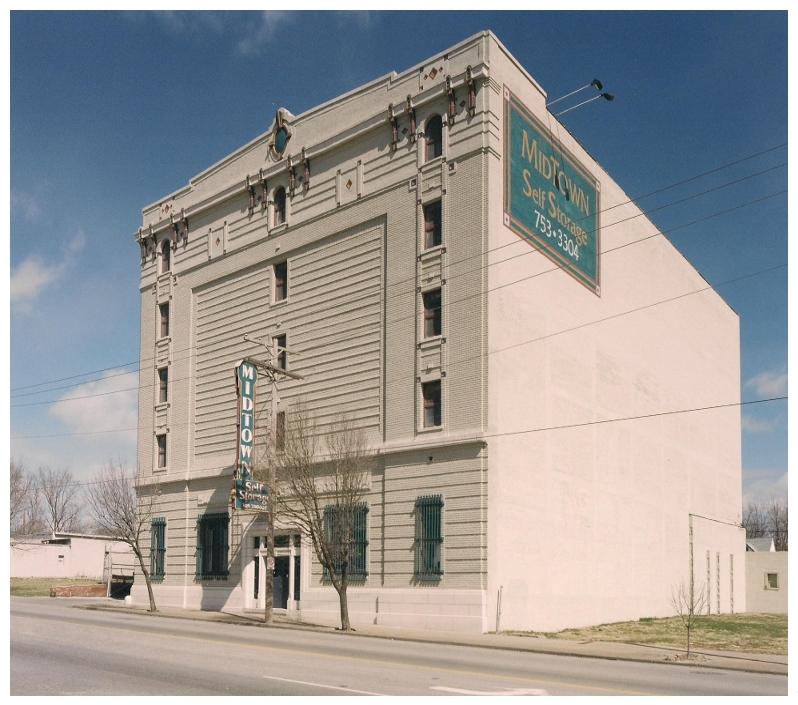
{"x": 549, "y": 198}
{"x": 249, "y": 494}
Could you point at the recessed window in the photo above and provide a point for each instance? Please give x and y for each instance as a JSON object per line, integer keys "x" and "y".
{"x": 280, "y": 353}
{"x": 279, "y": 431}
{"x": 279, "y": 206}
{"x": 432, "y": 225}
{"x": 771, "y": 581}
{"x": 158, "y": 548}
{"x": 434, "y": 137}
{"x": 429, "y": 538}
{"x": 166, "y": 256}
{"x": 164, "y": 314}
{"x": 432, "y": 313}
{"x": 347, "y": 530}
{"x": 431, "y": 393}
{"x": 161, "y": 441}
{"x": 280, "y": 281}
{"x": 163, "y": 385}
{"x": 212, "y": 546}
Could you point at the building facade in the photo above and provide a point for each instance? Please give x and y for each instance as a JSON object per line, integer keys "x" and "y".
{"x": 511, "y": 383}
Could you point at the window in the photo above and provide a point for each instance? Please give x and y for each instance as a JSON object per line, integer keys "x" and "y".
{"x": 212, "y": 546}
{"x": 279, "y": 206}
{"x": 431, "y": 392}
{"x": 279, "y": 431}
{"x": 280, "y": 281}
{"x": 434, "y": 137}
{"x": 432, "y": 313}
{"x": 340, "y": 533}
{"x": 771, "y": 581}
{"x": 280, "y": 353}
{"x": 163, "y": 385}
{"x": 428, "y": 536}
{"x": 432, "y": 225}
{"x": 166, "y": 256}
{"x": 158, "y": 547}
{"x": 164, "y": 311}
{"x": 161, "y": 439}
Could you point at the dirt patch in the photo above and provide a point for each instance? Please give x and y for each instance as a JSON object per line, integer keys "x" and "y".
{"x": 40, "y": 587}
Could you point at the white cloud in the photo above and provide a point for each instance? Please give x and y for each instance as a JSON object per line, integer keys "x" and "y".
{"x": 263, "y": 31}
{"x": 770, "y": 383}
{"x": 760, "y": 486}
{"x": 26, "y": 205}
{"x": 30, "y": 277}
{"x": 107, "y": 403}
{"x": 186, "y": 22}
{"x": 754, "y": 425}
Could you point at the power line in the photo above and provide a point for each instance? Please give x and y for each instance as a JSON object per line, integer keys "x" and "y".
{"x": 481, "y": 254}
{"x": 478, "y": 294}
{"x": 474, "y": 357}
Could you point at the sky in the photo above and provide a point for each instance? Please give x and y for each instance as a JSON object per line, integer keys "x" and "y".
{"x": 112, "y": 111}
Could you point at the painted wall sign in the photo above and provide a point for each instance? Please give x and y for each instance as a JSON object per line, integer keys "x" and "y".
{"x": 549, "y": 198}
{"x": 249, "y": 493}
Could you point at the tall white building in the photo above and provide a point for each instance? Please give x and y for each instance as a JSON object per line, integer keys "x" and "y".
{"x": 450, "y": 268}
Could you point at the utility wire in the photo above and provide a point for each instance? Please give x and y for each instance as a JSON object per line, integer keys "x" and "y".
{"x": 468, "y": 297}
{"x": 603, "y": 210}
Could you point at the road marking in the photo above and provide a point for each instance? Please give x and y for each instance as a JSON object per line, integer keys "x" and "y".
{"x": 507, "y": 691}
{"x": 283, "y": 648}
{"x": 323, "y": 685}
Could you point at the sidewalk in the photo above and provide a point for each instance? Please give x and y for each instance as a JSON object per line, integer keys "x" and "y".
{"x": 756, "y": 663}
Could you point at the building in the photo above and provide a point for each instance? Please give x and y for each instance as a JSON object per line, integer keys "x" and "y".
{"x": 427, "y": 247}
{"x": 69, "y": 555}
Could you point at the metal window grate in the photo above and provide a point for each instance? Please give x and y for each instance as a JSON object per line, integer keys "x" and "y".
{"x": 429, "y": 539}
{"x": 158, "y": 548}
{"x": 212, "y": 546}
{"x": 339, "y": 532}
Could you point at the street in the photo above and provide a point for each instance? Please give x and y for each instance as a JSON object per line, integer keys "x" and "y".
{"x": 57, "y": 649}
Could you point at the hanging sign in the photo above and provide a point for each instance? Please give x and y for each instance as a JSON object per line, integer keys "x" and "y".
{"x": 249, "y": 493}
{"x": 549, "y": 198}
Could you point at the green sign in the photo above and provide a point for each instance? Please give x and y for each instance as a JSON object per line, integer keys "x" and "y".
{"x": 249, "y": 493}
{"x": 549, "y": 198}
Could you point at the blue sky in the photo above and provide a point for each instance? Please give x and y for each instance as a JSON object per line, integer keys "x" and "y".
{"x": 111, "y": 111}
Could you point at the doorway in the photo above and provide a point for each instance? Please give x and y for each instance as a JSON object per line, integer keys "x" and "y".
{"x": 286, "y": 572}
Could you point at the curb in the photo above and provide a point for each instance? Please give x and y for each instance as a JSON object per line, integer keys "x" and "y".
{"x": 238, "y": 621}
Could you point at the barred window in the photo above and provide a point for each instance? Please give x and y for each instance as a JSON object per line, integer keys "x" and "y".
{"x": 338, "y": 532}
{"x": 428, "y": 536}
{"x": 212, "y": 546}
{"x": 158, "y": 548}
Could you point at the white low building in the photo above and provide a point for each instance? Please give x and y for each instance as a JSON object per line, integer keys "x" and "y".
{"x": 448, "y": 266}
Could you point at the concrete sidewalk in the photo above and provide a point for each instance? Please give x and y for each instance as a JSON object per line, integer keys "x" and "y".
{"x": 756, "y": 663}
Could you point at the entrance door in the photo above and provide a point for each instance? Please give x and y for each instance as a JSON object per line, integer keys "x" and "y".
{"x": 281, "y": 567}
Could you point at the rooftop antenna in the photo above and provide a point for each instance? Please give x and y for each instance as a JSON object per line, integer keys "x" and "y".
{"x": 606, "y": 96}
{"x": 595, "y": 83}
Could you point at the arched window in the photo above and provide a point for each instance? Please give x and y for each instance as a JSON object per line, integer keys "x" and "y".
{"x": 166, "y": 256}
{"x": 434, "y": 137}
{"x": 279, "y": 206}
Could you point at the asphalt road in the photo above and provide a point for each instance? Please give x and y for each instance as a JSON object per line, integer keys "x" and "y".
{"x": 57, "y": 649}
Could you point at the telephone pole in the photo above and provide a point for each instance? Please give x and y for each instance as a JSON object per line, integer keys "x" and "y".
{"x": 272, "y": 372}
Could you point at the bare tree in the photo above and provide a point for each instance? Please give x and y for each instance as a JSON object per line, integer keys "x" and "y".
{"x": 688, "y": 605}
{"x": 776, "y": 512}
{"x": 322, "y": 483}
{"x": 61, "y": 499}
{"x": 754, "y": 521}
{"x": 22, "y": 487}
{"x": 122, "y": 513}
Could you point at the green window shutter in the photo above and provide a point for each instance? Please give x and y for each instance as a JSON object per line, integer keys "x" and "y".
{"x": 428, "y": 537}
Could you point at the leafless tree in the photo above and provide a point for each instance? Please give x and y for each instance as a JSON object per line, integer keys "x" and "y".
{"x": 754, "y": 521}
{"x": 123, "y": 513}
{"x": 776, "y": 512}
{"x": 688, "y": 605}
{"x": 322, "y": 483}
{"x": 22, "y": 486}
{"x": 61, "y": 499}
